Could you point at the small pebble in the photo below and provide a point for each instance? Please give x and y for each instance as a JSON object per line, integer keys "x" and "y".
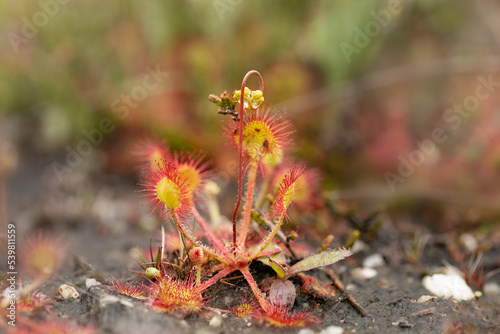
{"x": 363, "y": 273}
{"x": 66, "y": 292}
{"x": 425, "y": 299}
{"x": 332, "y": 330}
{"x": 448, "y": 286}
{"x": 468, "y": 241}
{"x": 373, "y": 261}
{"x": 91, "y": 282}
{"x": 305, "y": 331}
{"x": 358, "y": 246}
{"x": 111, "y": 299}
{"x": 216, "y": 321}
{"x": 491, "y": 289}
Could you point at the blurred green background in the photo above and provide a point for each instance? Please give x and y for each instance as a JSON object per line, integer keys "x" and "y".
{"x": 363, "y": 82}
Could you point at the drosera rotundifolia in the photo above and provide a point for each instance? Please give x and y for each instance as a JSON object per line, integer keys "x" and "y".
{"x": 175, "y": 184}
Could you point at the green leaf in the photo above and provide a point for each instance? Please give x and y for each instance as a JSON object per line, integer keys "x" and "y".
{"x": 319, "y": 260}
{"x": 277, "y": 268}
{"x": 158, "y": 258}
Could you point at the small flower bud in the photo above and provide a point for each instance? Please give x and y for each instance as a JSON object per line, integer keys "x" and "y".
{"x": 197, "y": 256}
{"x": 326, "y": 243}
{"x": 152, "y": 272}
{"x": 257, "y": 98}
{"x": 236, "y": 96}
{"x": 293, "y": 235}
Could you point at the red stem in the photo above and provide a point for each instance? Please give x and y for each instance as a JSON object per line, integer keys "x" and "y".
{"x": 247, "y": 210}
{"x": 221, "y": 274}
{"x": 255, "y": 289}
{"x": 176, "y": 219}
{"x": 240, "y": 144}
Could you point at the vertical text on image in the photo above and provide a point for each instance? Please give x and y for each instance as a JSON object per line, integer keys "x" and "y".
{"x": 11, "y": 274}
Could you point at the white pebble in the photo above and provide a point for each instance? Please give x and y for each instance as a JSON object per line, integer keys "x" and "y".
{"x": 448, "y": 286}
{"x": 425, "y": 299}
{"x": 111, "y": 299}
{"x": 216, "y": 321}
{"x": 91, "y": 282}
{"x": 332, "y": 330}
{"x": 305, "y": 331}
{"x": 491, "y": 289}
{"x": 373, "y": 261}
{"x": 66, "y": 292}
{"x": 364, "y": 273}
{"x": 358, "y": 246}
{"x": 468, "y": 241}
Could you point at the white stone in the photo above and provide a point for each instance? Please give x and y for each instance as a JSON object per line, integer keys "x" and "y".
{"x": 448, "y": 269}
{"x": 91, "y": 282}
{"x": 332, "y": 330}
{"x": 468, "y": 241}
{"x": 491, "y": 289}
{"x": 374, "y": 261}
{"x": 111, "y": 299}
{"x": 448, "y": 286}
{"x": 66, "y": 292}
{"x": 305, "y": 331}
{"x": 216, "y": 321}
{"x": 358, "y": 246}
{"x": 364, "y": 273}
{"x": 425, "y": 299}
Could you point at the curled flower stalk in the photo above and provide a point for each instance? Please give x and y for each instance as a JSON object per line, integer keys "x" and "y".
{"x": 240, "y": 143}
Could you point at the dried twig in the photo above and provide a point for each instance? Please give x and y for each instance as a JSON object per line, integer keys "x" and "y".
{"x": 338, "y": 284}
{"x": 404, "y": 320}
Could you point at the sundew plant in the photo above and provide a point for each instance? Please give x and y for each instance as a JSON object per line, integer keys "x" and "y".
{"x": 176, "y": 184}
